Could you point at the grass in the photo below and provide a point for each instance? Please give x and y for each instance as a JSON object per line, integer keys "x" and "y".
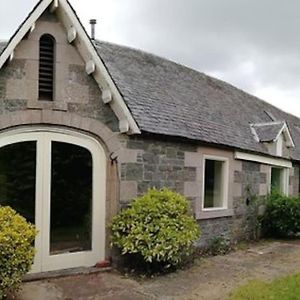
{"x": 287, "y": 288}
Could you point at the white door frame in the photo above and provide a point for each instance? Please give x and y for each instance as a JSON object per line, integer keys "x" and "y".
{"x": 44, "y": 136}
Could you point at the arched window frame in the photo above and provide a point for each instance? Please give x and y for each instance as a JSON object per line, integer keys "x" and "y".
{"x": 47, "y": 45}
{"x": 44, "y": 135}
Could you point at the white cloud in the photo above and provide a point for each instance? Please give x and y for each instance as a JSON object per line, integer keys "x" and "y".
{"x": 286, "y": 100}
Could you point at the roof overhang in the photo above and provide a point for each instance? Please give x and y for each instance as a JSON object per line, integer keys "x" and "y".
{"x": 287, "y": 135}
{"x": 76, "y": 34}
{"x": 263, "y": 159}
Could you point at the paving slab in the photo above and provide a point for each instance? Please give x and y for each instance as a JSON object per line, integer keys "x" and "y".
{"x": 211, "y": 278}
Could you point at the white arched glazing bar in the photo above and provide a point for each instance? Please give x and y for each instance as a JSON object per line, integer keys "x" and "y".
{"x": 45, "y": 138}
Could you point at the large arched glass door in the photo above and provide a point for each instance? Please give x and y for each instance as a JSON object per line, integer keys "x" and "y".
{"x": 56, "y": 180}
{"x": 71, "y": 198}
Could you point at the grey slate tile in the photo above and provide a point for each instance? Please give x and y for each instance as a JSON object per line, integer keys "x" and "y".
{"x": 167, "y": 98}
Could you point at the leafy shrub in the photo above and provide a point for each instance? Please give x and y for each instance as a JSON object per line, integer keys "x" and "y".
{"x": 282, "y": 216}
{"x": 157, "y": 228}
{"x": 16, "y": 249}
{"x": 219, "y": 245}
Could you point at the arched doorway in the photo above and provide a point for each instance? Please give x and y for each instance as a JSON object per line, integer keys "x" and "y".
{"x": 56, "y": 178}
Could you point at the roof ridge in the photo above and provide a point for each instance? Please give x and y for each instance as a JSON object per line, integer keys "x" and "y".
{"x": 268, "y": 123}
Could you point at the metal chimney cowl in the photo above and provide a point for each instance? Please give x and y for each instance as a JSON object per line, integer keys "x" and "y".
{"x": 93, "y": 23}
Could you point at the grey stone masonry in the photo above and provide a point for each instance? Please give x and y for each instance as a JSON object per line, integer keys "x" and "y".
{"x": 215, "y": 228}
{"x": 251, "y": 178}
{"x": 242, "y": 225}
{"x": 91, "y": 105}
{"x": 254, "y": 180}
{"x": 154, "y": 163}
{"x": 75, "y": 91}
{"x": 15, "y": 71}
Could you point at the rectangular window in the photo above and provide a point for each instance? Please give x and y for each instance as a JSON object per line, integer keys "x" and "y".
{"x": 215, "y": 183}
{"x": 279, "y": 180}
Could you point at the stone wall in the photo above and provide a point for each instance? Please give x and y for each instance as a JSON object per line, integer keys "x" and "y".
{"x": 152, "y": 162}
{"x": 75, "y": 91}
{"x": 77, "y": 103}
{"x": 179, "y": 165}
{"x": 11, "y": 75}
{"x": 215, "y": 228}
{"x": 156, "y": 162}
{"x": 252, "y": 179}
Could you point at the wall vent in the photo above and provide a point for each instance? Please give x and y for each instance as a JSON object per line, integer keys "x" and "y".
{"x": 46, "y": 68}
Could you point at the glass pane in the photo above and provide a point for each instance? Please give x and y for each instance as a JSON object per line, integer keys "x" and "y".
{"x": 17, "y": 178}
{"x": 276, "y": 179}
{"x": 213, "y": 196}
{"x": 71, "y": 199}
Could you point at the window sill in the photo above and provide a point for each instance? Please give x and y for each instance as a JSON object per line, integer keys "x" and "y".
{"x": 41, "y": 104}
{"x": 214, "y": 213}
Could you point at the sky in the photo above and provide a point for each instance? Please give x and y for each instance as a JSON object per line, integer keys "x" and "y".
{"x": 254, "y": 45}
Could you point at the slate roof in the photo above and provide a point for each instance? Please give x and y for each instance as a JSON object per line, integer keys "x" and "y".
{"x": 167, "y": 98}
{"x": 268, "y": 132}
{"x": 2, "y": 46}
{"x": 170, "y": 99}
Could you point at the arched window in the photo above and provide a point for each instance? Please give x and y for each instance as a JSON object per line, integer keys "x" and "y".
{"x": 46, "y": 68}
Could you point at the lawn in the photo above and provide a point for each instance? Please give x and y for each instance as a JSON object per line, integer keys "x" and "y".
{"x": 287, "y": 288}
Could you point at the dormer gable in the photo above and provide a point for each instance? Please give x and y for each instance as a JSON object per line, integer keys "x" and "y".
{"x": 275, "y": 135}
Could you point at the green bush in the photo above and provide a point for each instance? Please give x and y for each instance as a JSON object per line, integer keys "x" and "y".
{"x": 157, "y": 228}
{"x": 282, "y": 216}
{"x": 16, "y": 249}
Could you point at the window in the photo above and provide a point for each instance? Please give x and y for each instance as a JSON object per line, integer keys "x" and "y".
{"x": 46, "y": 68}
{"x": 279, "y": 179}
{"x": 56, "y": 179}
{"x": 215, "y": 183}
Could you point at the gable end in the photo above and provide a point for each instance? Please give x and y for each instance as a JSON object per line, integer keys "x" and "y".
{"x": 76, "y": 34}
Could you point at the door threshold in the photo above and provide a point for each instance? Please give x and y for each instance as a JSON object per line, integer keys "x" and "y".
{"x": 64, "y": 273}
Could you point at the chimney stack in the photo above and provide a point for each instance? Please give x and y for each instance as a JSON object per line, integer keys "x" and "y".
{"x": 93, "y": 23}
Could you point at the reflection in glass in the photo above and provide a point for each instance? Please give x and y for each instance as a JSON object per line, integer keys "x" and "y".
{"x": 71, "y": 199}
{"x": 213, "y": 192}
{"x": 17, "y": 178}
{"x": 277, "y": 179}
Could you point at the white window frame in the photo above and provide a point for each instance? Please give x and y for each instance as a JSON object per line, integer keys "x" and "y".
{"x": 44, "y": 136}
{"x": 285, "y": 179}
{"x": 225, "y": 182}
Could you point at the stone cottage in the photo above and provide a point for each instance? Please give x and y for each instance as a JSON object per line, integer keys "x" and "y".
{"x": 86, "y": 126}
